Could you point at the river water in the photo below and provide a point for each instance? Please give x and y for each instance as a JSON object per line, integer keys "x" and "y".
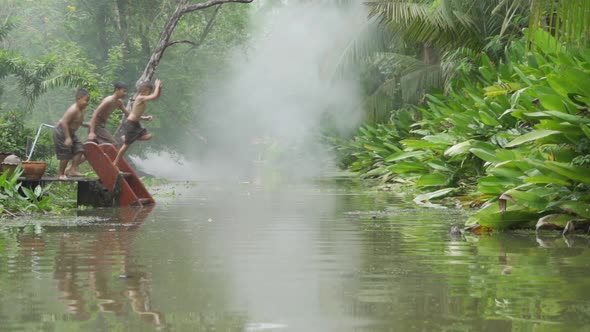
{"x": 312, "y": 256}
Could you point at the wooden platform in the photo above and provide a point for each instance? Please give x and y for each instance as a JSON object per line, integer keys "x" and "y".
{"x": 50, "y": 179}
{"x": 115, "y": 186}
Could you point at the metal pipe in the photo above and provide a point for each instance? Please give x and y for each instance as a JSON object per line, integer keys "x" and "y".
{"x": 37, "y": 138}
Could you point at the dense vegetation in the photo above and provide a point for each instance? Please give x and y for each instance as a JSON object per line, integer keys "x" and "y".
{"x": 509, "y": 129}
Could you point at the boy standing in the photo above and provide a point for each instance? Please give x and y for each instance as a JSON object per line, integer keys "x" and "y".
{"x": 67, "y": 145}
{"x": 132, "y": 129}
{"x": 97, "y": 131}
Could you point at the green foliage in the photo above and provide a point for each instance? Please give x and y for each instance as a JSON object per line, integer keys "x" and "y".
{"x": 518, "y": 134}
{"x": 413, "y": 46}
{"x": 17, "y": 199}
{"x": 13, "y": 134}
{"x": 569, "y": 21}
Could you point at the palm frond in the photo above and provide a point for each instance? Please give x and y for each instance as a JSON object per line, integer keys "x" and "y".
{"x": 417, "y": 83}
{"x": 369, "y": 40}
{"x": 7, "y": 26}
{"x": 378, "y": 107}
{"x": 568, "y": 21}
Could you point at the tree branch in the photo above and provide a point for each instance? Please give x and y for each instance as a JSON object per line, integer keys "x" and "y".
{"x": 182, "y": 41}
{"x": 164, "y": 41}
{"x": 210, "y": 3}
{"x": 208, "y": 28}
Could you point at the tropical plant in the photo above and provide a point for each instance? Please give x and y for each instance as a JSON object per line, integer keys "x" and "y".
{"x": 519, "y": 133}
{"x": 568, "y": 21}
{"x": 13, "y": 134}
{"x": 412, "y": 46}
{"x": 14, "y": 198}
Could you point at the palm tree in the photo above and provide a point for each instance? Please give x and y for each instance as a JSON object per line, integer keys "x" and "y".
{"x": 567, "y": 20}
{"x": 33, "y": 77}
{"x": 425, "y": 41}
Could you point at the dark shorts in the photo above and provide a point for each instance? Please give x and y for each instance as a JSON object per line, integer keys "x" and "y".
{"x": 103, "y": 135}
{"x": 63, "y": 151}
{"x": 133, "y": 131}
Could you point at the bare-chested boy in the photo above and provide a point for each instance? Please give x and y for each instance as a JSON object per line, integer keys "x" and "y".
{"x": 67, "y": 145}
{"x": 132, "y": 129}
{"x": 97, "y": 131}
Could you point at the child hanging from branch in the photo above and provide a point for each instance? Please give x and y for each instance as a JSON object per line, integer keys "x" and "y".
{"x": 132, "y": 129}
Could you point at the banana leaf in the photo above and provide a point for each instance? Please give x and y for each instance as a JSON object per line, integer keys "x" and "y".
{"x": 531, "y": 136}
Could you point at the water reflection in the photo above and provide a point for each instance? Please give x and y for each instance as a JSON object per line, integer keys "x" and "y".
{"x": 305, "y": 257}
{"x": 93, "y": 265}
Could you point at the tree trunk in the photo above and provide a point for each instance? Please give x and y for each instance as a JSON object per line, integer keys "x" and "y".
{"x": 430, "y": 55}
{"x": 164, "y": 41}
{"x": 123, "y": 13}
{"x": 182, "y": 8}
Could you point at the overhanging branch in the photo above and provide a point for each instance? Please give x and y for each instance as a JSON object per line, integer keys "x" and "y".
{"x": 182, "y": 41}
{"x": 210, "y": 3}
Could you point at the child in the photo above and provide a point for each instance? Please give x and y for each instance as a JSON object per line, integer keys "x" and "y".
{"x": 132, "y": 129}
{"x": 67, "y": 145}
{"x": 97, "y": 131}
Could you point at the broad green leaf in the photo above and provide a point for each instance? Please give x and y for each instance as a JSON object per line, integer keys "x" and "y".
{"x": 420, "y": 144}
{"x": 498, "y": 181}
{"x": 485, "y": 155}
{"x": 408, "y": 167}
{"x": 505, "y": 172}
{"x": 496, "y": 90}
{"x": 528, "y": 199}
{"x": 491, "y": 189}
{"x": 580, "y": 208}
{"x": 439, "y": 166}
{"x": 404, "y": 155}
{"x": 376, "y": 171}
{"x": 442, "y": 138}
{"x": 570, "y": 80}
{"x": 458, "y": 149}
{"x": 544, "y": 41}
{"x": 507, "y": 155}
{"x": 585, "y": 129}
{"x": 515, "y": 216}
{"x": 532, "y": 136}
{"x": 435, "y": 194}
{"x": 488, "y": 119}
{"x": 577, "y": 173}
{"x": 433, "y": 180}
{"x": 541, "y": 179}
{"x": 375, "y": 148}
{"x": 494, "y": 185}
{"x": 552, "y": 102}
{"x": 392, "y": 147}
{"x": 573, "y": 119}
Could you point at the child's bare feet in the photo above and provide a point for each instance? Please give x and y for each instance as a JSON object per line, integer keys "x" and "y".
{"x": 62, "y": 177}
{"x": 74, "y": 174}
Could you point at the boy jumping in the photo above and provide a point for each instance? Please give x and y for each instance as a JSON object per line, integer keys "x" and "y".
{"x": 132, "y": 129}
{"x": 97, "y": 131}
{"x": 67, "y": 145}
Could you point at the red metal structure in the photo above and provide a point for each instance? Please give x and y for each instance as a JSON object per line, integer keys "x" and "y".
{"x": 125, "y": 185}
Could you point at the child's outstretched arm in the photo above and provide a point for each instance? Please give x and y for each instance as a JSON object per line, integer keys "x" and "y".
{"x": 154, "y": 95}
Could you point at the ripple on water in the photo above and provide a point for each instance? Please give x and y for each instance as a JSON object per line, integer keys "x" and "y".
{"x": 293, "y": 258}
